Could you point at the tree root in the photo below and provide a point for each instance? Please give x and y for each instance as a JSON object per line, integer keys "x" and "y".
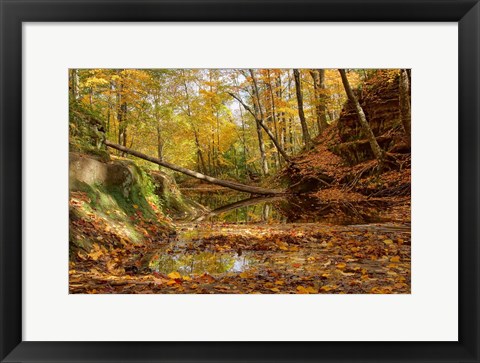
{"x": 398, "y": 191}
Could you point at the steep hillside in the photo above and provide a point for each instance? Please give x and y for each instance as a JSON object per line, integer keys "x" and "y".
{"x": 342, "y": 165}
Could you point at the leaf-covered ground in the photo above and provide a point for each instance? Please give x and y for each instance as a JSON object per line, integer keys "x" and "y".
{"x": 244, "y": 259}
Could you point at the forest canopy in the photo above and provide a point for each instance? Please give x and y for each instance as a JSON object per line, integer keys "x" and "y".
{"x": 211, "y": 114}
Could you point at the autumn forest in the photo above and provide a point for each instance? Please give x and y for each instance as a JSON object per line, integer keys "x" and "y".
{"x": 239, "y": 181}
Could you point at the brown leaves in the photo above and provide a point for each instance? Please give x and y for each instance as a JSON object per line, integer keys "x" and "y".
{"x": 306, "y": 290}
{"x": 96, "y": 253}
{"x": 293, "y": 259}
{"x": 174, "y": 275}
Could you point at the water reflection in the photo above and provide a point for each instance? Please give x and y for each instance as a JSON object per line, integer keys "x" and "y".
{"x": 201, "y": 262}
{"x": 233, "y": 207}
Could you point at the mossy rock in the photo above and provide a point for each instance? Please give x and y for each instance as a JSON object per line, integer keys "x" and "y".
{"x": 172, "y": 200}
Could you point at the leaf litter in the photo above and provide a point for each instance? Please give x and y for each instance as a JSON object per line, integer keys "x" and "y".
{"x": 222, "y": 258}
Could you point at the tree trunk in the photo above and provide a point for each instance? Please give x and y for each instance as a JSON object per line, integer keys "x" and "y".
{"x": 318, "y": 76}
{"x": 261, "y": 146}
{"x": 274, "y": 117}
{"x": 377, "y": 150}
{"x": 159, "y": 141}
{"x": 202, "y": 166}
{"x": 199, "y": 151}
{"x": 244, "y": 140}
{"x": 323, "y": 99}
{"x": 194, "y": 174}
{"x": 405, "y": 106}
{"x": 301, "y": 114}
{"x": 121, "y": 116}
{"x": 73, "y": 85}
{"x": 259, "y": 116}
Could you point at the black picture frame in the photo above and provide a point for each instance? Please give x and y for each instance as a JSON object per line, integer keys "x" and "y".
{"x": 15, "y": 12}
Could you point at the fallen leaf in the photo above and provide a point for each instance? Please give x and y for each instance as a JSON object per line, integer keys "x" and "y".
{"x": 174, "y": 275}
{"x": 395, "y": 259}
{"x": 95, "y": 255}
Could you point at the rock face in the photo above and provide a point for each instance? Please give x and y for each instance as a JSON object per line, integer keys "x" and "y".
{"x": 379, "y": 99}
{"x": 127, "y": 178}
{"x": 93, "y": 171}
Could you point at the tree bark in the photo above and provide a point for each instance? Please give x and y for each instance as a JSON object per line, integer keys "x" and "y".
{"x": 405, "y": 105}
{"x": 318, "y": 76}
{"x": 259, "y": 116}
{"x": 199, "y": 150}
{"x": 159, "y": 141}
{"x": 73, "y": 84}
{"x": 121, "y": 115}
{"x": 194, "y": 174}
{"x": 298, "y": 88}
{"x": 377, "y": 150}
{"x": 273, "y": 114}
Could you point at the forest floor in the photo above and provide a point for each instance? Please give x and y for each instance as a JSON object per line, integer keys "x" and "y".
{"x": 352, "y": 236}
{"x": 267, "y": 258}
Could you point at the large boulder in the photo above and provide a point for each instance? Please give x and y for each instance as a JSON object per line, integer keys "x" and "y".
{"x": 93, "y": 170}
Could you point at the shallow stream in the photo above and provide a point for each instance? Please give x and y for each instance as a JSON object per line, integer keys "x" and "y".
{"x": 222, "y": 241}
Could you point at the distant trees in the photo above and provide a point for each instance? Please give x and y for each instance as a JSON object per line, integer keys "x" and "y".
{"x": 258, "y": 114}
{"x": 241, "y": 122}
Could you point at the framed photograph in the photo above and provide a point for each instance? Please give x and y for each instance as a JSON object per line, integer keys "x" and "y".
{"x": 239, "y": 181}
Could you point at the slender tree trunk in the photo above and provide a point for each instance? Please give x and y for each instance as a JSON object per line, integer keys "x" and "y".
{"x": 323, "y": 99}
{"x": 159, "y": 142}
{"x": 244, "y": 140}
{"x": 73, "y": 84}
{"x": 405, "y": 105}
{"x": 318, "y": 76}
{"x": 259, "y": 116}
{"x": 124, "y": 110}
{"x": 282, "y": 118}
{"x": 199, "y": 151}
{"x": 377, "y": 150}
{"x": 261, "y": 145}
{"x": 209, "y": 179}
{"x": 291, "y": 139}
{"x": 298, "y": 88}
{"x": 108, "y": 118}
{"x": 274, "y": 117}
{"x": 121, "y": 115}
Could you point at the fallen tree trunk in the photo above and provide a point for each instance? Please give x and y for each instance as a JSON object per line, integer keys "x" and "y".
{"x": 194, "y": 174}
